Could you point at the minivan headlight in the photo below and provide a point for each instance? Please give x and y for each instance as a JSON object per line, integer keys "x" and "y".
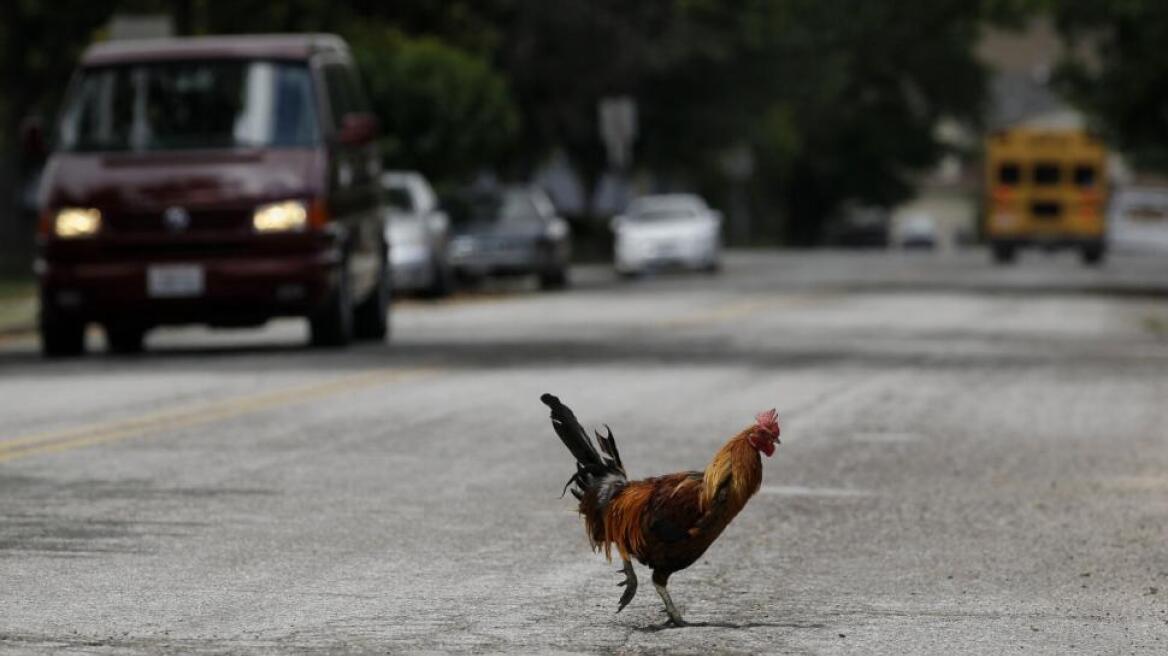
{"x": 76, "y": 222}
{"x": 285, "y": 216}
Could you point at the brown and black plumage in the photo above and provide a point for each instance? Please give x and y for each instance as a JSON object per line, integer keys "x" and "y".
{"x": 666, "y": 523}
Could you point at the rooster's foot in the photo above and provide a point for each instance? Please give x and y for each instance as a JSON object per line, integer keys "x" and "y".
{"x": 674, "y": 616}
{"x": 630, "y": 585}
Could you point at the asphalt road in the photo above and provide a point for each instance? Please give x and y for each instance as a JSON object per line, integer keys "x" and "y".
{"x": 974, "y": 460}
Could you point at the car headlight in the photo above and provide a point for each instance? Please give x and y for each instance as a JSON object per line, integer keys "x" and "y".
{"x": 462, "y": 246}
{"x": 557, "y": 229}
{"x": 285, "y": 216}
{"x": 76, "y": 222}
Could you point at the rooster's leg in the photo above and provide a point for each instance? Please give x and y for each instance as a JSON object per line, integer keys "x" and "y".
{"x": 659, "y": 582}
{"x": 630, "y": 584}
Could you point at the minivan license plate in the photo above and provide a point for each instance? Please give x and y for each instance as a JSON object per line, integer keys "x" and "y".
{"x": 174, "y": 281}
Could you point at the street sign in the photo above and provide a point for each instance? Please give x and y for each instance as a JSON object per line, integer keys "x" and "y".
{"x": 618, "y": 128}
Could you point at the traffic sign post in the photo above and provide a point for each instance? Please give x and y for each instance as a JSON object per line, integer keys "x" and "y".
{"x": 618, "y": 129}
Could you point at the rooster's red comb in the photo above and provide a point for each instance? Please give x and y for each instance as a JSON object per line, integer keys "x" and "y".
{"x": 768, "y": 421}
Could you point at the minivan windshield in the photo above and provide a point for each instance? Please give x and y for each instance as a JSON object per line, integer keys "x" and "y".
{"x": 187, "y": 105}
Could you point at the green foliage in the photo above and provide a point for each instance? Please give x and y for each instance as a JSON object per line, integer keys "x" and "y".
{"x": 837, "y": 99}
{"x": 444, "y": 111}
{"x": 1122, "y": 78}
{"x": 39, "y": 46}
{"x": 837, "y": 109}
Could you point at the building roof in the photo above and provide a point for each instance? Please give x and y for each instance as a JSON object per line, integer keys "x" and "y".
{"x": 244, "y": 46}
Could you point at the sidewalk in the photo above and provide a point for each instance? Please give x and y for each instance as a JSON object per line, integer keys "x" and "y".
{"x": 17, "y": 305}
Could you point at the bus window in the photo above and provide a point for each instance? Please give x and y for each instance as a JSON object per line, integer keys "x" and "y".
{"x": 1009, "y": 174}
{"x": 1084, "y": 175}
{"x": 1046, "y": 174}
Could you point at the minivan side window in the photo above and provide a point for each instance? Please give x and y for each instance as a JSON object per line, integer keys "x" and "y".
{"x": 344, "y": 93}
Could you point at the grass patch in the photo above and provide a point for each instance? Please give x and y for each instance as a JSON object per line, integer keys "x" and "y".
{"x": 16, "y": 288}
{"x": 17, "y": 303}
{"x": 1157, "y": 325}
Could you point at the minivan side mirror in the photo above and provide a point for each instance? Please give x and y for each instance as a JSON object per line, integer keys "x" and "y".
{"x": 357, "y": 128}
{"x": 32, "y": 139}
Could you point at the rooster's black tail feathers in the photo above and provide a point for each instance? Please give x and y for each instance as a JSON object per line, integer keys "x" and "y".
{"x": 592, "y": 464}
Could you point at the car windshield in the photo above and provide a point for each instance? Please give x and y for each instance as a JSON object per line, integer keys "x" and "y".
{"x": 190, "y": 105}
{"x": 398, "y": 198}
{"x": 509, "y": 207}
{"x": 656, "y": 213}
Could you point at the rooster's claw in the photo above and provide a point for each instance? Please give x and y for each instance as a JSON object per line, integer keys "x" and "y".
{"x": 630, "y": 585}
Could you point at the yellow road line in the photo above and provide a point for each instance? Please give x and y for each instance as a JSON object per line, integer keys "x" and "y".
{"x": 194, "y": 415}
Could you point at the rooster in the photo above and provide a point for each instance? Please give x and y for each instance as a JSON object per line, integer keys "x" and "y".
{"x": 666, "y": 522}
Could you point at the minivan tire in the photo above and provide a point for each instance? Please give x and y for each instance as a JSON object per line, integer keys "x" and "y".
{"x": 61, "y": 337}
{"x": 124, "y": 339}
{"x": 332, "y": 325}
{"x": 371, "y": 319}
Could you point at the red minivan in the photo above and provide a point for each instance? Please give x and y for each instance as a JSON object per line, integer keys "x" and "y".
{"x": 213, "y": 180}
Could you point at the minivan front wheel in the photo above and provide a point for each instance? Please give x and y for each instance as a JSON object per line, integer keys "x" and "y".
{"x": 124, "y": 339}
{"x": 332, "y": 324}
{"x": 61, "y": 337}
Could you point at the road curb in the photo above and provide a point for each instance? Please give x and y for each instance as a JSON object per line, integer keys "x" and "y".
{"x": 19, "y": 330}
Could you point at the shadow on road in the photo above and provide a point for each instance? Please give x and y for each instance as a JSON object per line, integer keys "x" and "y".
{"x": 731, "y": 625}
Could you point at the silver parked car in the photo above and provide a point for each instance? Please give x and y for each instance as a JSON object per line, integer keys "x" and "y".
{"x": 673, "y": 230}
{"x": 418, "y": 234}
{"x": 509, "y": 232}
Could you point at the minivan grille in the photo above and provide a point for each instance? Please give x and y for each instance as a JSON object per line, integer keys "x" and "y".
{"x": 197, "y": 221}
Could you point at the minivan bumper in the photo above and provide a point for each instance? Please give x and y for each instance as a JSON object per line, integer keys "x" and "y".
{"x": 236, "y": 290}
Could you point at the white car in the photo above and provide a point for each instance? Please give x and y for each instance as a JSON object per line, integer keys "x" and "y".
{"x": 674, "y": 230}
{"x": 916, "y": 231}
{"x": 418, "y": 234}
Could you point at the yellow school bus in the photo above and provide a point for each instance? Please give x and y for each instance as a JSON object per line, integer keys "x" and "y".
{"x": 1045, "y": 188}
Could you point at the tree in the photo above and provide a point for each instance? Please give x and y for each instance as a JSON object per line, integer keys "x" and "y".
{"x": 39, "y": 46}
{"x": 837, "y": 99}
{"x": 444, "y": 111}
{"x": 836, "y": 110}
{"x": 1121, "y": 77}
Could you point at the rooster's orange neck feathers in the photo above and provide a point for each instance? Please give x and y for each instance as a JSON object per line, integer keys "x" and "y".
{"x": 739, "y": 462}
